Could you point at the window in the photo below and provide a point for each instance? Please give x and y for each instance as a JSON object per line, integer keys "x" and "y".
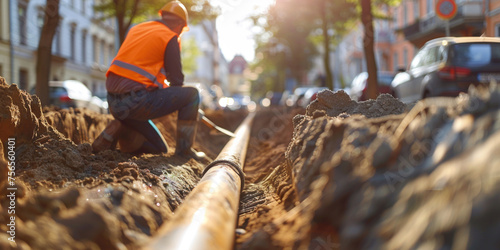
{"x": 431, "y": 56}
{"x": 497, "y": 30}
{"x": 39, "y": 20}
{"x": 84, "y": 6}
{"x": 72, "y": 41}
{"x": 95, "y": 57}
{"x": 21, "y": 14}
{"x": 101, "y": 54}
{"x": 418, "y": 60}
{"x": 396, "y": 61}
{"x": 475, "y": 54}
{"x": 405, "y": 13}
{"x": 405, "y": 56}
{"x": 23, "y": 78}
{"x": 239, "y": 69}
{"x": 57, "y": 42}
{"x": 429, "y": 6}
{"x": 396, "y": 17}
{"x": 416, "y": 9}
{"x": 84, "y": 46}
{"x": 111, "y": 54}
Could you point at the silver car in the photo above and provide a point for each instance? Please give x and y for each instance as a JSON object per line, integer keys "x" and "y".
{"x": 447, "y": 66}
{"x": 71, "y": 93}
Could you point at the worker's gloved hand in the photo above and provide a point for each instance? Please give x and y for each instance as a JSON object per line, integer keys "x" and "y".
{"x": 108, "y": 138}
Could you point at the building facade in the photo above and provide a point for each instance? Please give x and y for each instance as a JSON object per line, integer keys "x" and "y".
{"x": 211, "y": 67}
{"x": 238, "y": 82}
{"x": 5, "y": 55}
{"x": 492, "y": 15}
{"x": 82, "y": 49}
{"x": 415, "y": 22}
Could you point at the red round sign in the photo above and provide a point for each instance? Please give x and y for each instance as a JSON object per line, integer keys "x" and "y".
{"x": 446, "y": 9}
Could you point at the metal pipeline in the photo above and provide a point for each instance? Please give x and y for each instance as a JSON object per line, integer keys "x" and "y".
{"x": 207, "y": 218}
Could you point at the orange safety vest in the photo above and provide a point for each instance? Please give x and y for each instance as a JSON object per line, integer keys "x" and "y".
{"x": 140, "y": 57}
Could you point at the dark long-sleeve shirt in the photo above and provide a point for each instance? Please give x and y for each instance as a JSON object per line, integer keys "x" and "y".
{"x": 173, "y": 66}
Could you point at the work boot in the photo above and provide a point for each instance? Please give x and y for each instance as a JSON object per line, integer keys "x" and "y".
{"x": 130, "y": 141}
{"x": 186, "y": 132}
{"x": 108, "y": 137}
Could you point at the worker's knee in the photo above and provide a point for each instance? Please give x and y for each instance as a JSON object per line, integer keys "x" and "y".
{"x": 193, "y": 95}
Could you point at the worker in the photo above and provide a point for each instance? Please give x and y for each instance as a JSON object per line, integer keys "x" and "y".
{"x": 145, "y": 81}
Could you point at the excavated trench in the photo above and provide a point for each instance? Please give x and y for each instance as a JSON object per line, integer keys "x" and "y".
{"x": 339, "y": 174}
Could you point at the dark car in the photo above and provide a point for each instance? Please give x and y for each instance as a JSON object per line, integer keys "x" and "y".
{"x": 447, "y": 66}
{"x": 358, "y": 85}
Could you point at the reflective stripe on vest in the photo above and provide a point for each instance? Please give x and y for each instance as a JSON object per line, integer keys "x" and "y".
{"x": 140, "y": 71}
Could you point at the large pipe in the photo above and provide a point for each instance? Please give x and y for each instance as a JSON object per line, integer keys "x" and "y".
{"x": 207, "y": 218}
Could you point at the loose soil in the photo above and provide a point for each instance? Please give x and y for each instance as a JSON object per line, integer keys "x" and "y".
{"x": 340, "y": 174}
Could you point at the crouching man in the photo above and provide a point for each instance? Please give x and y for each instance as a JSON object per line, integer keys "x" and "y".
{"x": 144, "y": 82}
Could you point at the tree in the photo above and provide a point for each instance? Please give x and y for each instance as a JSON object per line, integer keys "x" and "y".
{"x": 189, "y": 54}
{"x": 326, "y": 21}
{"x": 301, "y": 27}
{"x": 128, "y": 12}
{"x": 333, "y": 18}
{"x": 368, "y": 48}
{"x": 284, "y": 48}
{"x": 44, "y": 52}
{"x": 125, "y": 11}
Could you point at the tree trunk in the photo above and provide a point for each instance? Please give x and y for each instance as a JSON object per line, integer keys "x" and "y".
{"x": 368, "y": 47}
{"x": 326, "y": 45}
{"x": 120, "y": 19}
{"x": 121, "y": 10}
{"x": 44, "y": 53}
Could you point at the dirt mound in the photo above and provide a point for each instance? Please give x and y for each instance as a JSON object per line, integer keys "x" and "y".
{"x": 340, "y": 174}
{"x": 69, "y": 197}
{"x": 339, "y": 103}
{"x": 427, "y": 177}
{"x": 78, "y": 125}
{"x": 21, "y": 115}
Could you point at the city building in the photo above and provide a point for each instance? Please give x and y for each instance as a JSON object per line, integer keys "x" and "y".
{"x": 492, "y": 15}
{"x": 5, "y": 54}
{"x": 82, "y": 49}
{"x": 85, "y": 44}
{"x": 238, "y": 83}
{"x": 349, "y": 55}
{"x": 414, "y": 22}
{"x": 211, "y": 68}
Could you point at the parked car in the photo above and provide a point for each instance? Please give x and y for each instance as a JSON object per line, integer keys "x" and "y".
{"x": 302, "y": 96}
{"x": 358, "y": 85}
{"x": 272, "y": 99}
{"x": 296, "y": 97}
{"x": 75, "y": 94}
{"x": 311, "y": 94}
{"x": 447, "y": 66}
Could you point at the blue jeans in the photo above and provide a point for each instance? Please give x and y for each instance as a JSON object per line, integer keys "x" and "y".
{"x": 136, "y": 109}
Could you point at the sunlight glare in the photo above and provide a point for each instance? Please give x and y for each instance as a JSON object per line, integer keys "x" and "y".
{"x": 235, "y": 29}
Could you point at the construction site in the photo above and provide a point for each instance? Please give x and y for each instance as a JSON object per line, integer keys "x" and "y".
{"x": 339, "y": 174}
